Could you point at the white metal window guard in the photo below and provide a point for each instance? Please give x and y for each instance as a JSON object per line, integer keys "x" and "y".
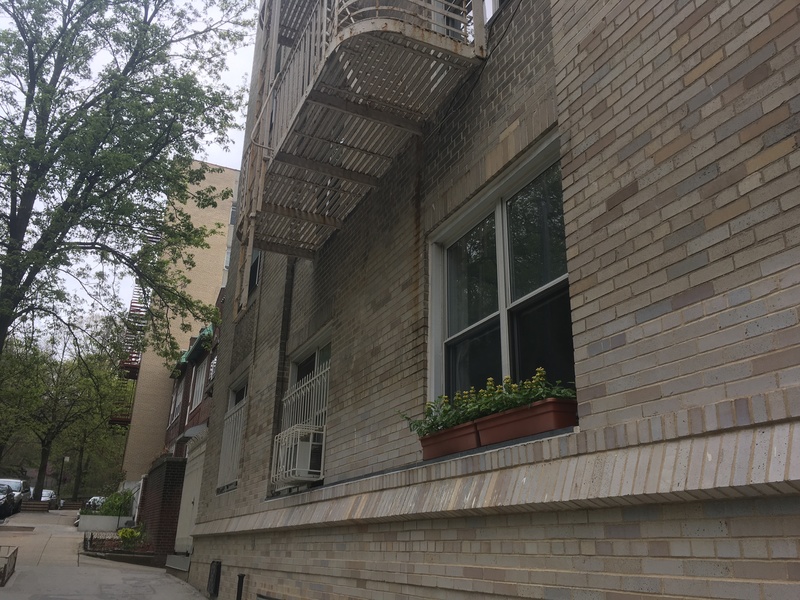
{"x": 232, "y": 433}
{"x": 298, "y": 453}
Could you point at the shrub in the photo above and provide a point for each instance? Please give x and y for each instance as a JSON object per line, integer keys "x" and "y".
{"x": 130, "y": 536}
{"x": 118, "y": 503}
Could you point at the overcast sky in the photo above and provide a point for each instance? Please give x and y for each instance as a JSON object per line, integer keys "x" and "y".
{"x": 239, "y": 68}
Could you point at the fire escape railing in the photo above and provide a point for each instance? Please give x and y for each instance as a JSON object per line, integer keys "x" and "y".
{"x": 458, "y": 20}
{"x": 341, "y": 88}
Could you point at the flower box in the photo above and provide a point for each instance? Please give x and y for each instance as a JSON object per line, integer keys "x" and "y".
{"x": 460, "y": 438}
{"x": 545, "y": 415}
{"x": 492, "y": 415}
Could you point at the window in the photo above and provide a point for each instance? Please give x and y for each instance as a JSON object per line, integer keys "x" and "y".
{"x": 212, "y": 368}
{"x": 505, "y": 293}
{"x": 232, "y": 434}
{"x": 199, "y": 383}
{"x": 177, "y": 398}
{"x": 255, "y": 273}
{"x": 299, "y": 449}
{"x": 312, "y": 362}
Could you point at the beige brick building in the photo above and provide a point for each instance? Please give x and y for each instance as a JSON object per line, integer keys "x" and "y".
{"x": 606, "y": 188}
{"x": 154, "y": 388}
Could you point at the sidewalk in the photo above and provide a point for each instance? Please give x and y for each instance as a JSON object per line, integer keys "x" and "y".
{"x": 50, "y": 566}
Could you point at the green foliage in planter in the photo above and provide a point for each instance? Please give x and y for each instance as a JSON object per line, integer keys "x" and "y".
{"x": 118, "y": 503}
{"x": 444, "y": 413}
{"x": 439, "y": 415}
{"x": 130, "y": 536}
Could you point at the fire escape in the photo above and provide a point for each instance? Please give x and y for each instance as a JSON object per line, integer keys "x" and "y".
{"x": 340, "y": 88}
{"x": 132, "y": 348}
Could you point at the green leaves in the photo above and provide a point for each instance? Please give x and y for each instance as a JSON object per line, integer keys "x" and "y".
{"x": 104, "y": 105}
{"x": 444, "y": 413}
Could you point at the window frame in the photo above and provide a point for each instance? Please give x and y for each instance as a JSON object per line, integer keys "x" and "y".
{"x": 177, "y": 399}
{"x": 241, "y": 385}
{"x": 492, "y": 199}
{"x": 198, "y": 384}
{"x": 311, "y": 348}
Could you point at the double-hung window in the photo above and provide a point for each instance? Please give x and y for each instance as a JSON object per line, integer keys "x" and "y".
{"x": 504, "y": 290}
{"x": 198, "y": 383}
{"x": 299, "y": 448}
{"x": 177, "y": 400}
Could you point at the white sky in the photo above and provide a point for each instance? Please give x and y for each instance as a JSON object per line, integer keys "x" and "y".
{"x": 239, "y": 68}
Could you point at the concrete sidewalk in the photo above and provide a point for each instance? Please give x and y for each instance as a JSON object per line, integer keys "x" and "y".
{"x": 51, "y": 567}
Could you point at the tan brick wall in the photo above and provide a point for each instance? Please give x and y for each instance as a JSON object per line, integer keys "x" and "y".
{"x": 678, "y": 128}
{"x": 151, "y": 404}
{"x": 679, "y": 125}
{"x": 743, "y": 548}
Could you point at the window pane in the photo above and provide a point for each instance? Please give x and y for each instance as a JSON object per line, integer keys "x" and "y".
{"x": 323, "y": 355}
{"x": 473, "y": 358}
{"x": 306, "y": 367}
{"x": 239, "y": 395}
{"x": 542, "y": 337}
{"x": 537, "y": 248}
{"x": 254, "y": 274}
{"x": 472, "y": 277}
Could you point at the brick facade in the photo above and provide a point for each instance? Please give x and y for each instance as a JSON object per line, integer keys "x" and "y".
{"x": 153, "y": 396}
{"x": 677, "y": 128}
{"x": 161, "y": 503}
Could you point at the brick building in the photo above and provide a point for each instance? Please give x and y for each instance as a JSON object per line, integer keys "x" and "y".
{"x": 431, "y": 195}
{"x": 151, "y": 412}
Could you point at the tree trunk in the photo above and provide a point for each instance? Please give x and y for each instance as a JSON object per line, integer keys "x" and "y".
{"x": 79, "y": 471}
{"x": 44, "y": 458}
{"x": 5, "y": 325}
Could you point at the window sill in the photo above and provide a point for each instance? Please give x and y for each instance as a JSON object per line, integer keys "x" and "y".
{"x": 228, "y": 487}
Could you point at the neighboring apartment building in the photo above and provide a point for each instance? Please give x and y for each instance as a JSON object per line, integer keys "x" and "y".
{"x": 609, "y": 189}
{"x": 191, "y": 408}
{"x": 154, "y": 389}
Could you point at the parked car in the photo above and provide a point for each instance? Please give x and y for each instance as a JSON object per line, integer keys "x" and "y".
{"x": 50, "y": 497}
{"x": 21, "y": 490}
{"x": 6, "y": 501}
{"x": 95, "y": 502}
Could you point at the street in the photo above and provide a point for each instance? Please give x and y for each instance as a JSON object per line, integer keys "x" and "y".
{"x": 51, "y": 567}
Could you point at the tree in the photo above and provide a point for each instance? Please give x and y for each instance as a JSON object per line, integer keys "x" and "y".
{"x": 17, "y": 393}
{"x": 103, "y": 105}
{"x": 71, "y": 385}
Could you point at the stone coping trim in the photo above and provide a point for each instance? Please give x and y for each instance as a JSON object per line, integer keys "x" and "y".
{"x": 756, "y": 461}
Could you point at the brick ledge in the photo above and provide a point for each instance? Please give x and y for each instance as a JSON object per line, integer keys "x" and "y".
{"x": 757, "y": 461}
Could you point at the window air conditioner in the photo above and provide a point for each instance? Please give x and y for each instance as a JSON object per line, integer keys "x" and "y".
{"x": 298, "y": 455}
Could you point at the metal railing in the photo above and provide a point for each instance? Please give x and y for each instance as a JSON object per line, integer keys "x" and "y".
{"x": 454, "y": 19}
{"x": 306, "y": 402}
{"x": 299, "y": 450}
{"x": 232, "y": 433}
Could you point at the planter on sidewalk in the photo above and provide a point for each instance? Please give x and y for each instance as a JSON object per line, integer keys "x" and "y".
{"x": 102, "y": 522}
{"x": 8, "y": 561}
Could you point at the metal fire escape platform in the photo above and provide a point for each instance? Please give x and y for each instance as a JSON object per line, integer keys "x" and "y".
{"x": 354, "y": 82}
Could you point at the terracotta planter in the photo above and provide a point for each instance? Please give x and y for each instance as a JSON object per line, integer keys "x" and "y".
{"x": 456, "y": 439}
{"x": 545, "y": 415}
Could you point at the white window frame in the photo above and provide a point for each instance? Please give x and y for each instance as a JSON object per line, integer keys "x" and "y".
{"x": 177, "y": 400}
{"x": 313, "y": 346}
{"x": 491, "y": 198}
{"x": 199, "y": 378}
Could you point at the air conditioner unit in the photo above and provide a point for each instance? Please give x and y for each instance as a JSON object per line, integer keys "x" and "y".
{"x": 298, "y": 455}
